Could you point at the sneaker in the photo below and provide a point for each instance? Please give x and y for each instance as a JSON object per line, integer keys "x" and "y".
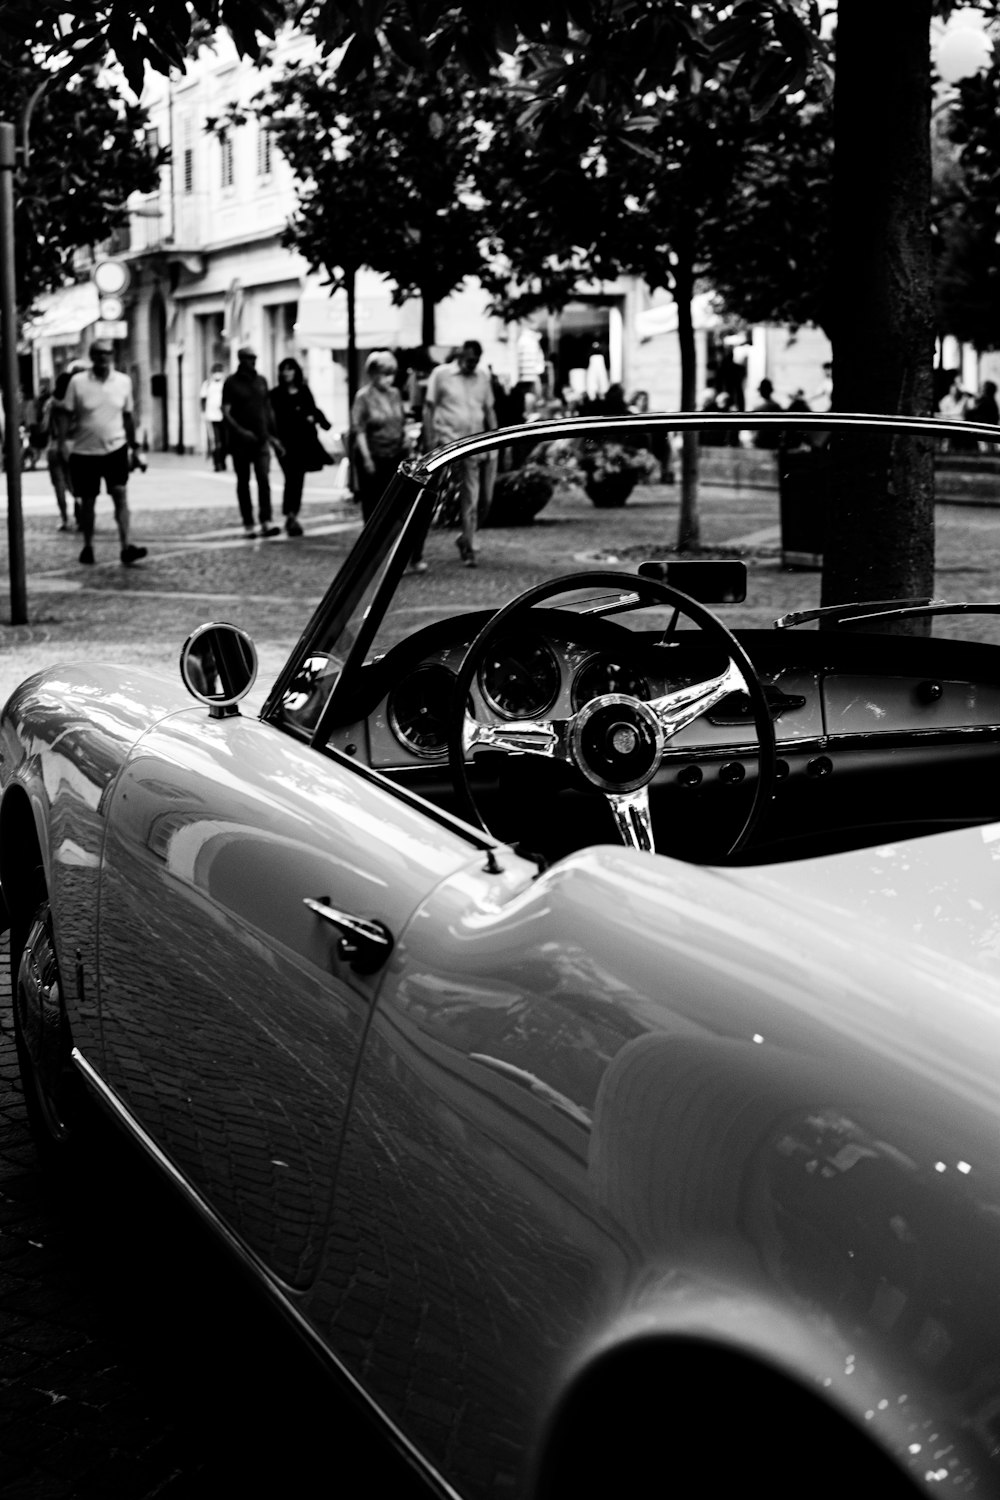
{"x": 268, "y": 530}
{"x": 63, "y": 525}
{"x": 466, "y": 552}
{"x": 132, "y": 555}
{"x": 250, "y": 531}
{"x": 417, "y": 566}
{"x": 87, "y": 554}
{"x": 292, "y": 527}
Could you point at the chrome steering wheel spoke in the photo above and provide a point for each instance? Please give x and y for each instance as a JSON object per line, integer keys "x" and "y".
{"x": 546, "y": 737}
{"x": 678, "y": 709}
{"x": 632, "y": 819}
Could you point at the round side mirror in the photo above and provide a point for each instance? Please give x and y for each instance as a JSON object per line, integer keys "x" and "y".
{"x": 219, "y": 665}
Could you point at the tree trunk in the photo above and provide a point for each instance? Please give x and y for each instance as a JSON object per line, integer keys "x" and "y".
{"x": 428, "y": 319}
{"x": 880, "y": 534}
{"x": 688, "y": 523}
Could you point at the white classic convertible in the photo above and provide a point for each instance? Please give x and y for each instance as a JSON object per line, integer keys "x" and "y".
{"x": 583, "y": 1017}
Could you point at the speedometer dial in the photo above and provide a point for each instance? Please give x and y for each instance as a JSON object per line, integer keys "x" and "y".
{"x": 520, "y": 677}
{"x": 604, "y": 674}
{"x": 418, "y": 711}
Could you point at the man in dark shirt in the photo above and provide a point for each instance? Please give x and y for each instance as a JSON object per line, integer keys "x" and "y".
{"x": 767, "y": 437}
{"x": 246, "y": 409}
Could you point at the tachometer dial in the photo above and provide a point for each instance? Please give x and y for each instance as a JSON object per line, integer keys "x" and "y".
{"x": 418, "y": 711}
{"x": 521, "y": 676}
{"x": 603, "y": 674}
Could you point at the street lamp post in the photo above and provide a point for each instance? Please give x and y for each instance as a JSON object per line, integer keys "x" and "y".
{"x": 9, "y": 381}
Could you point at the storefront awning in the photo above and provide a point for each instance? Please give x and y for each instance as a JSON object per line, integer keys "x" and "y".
{"x": 63, "y": 316}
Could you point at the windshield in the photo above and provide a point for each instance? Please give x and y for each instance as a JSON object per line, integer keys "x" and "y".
{"x": 756, "y": 492}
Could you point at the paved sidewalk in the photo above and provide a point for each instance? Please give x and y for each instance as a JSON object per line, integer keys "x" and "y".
{"x": 188, "y": 517}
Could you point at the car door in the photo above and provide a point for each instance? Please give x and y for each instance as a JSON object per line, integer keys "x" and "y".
{"x": 231, "y": 1022}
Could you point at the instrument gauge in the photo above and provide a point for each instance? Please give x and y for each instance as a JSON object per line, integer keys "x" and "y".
{"x": 521, "y": 676}
{"x": 418, "y": 711}
{"x": 605, "y": 674}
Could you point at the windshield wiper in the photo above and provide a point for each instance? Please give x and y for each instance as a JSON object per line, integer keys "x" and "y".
{"x": 871, "y": 609}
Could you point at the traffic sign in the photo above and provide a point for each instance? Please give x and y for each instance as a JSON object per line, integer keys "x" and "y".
{"x": 111, "y": 309}
{"x": 111, "y": 277}
{"x": 111, "y": 329}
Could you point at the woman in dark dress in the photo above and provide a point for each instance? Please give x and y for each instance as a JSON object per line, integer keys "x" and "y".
{"x": 296, "y": 418}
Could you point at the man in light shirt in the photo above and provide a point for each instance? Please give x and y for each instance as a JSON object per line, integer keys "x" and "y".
{"x": 459, "y": 402}
{"x": 99, "y": 443}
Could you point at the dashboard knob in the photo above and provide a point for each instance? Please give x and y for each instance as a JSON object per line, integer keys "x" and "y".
{"x": 929, "y": 691}
{"x": 732, "y": 772}
{"x": 820, "y": 765}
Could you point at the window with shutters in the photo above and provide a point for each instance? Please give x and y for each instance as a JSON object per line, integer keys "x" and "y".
{"x": 226, "y": 159}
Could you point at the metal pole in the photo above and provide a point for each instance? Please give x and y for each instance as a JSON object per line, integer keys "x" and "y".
{"x": 10, "y": 383}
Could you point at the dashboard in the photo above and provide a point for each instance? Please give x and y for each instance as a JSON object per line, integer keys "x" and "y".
{"x": 877, "y": 736}
{"x": 822, "y": 692}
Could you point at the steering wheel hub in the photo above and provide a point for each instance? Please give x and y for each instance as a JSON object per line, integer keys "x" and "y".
{"x": 617, "y": 742}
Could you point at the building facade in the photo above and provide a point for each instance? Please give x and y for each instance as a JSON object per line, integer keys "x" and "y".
{"x": 208, "y": 272}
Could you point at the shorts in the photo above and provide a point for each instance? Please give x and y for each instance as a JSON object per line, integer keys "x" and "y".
{"x": 86, "y": 470}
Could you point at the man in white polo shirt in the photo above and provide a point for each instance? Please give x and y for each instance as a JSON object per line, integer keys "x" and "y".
{"x": 459, "y": 402}
{"x": 99, "y": 443}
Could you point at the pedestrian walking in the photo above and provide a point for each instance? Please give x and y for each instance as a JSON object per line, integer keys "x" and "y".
{"x": 378, "y": 436}
{"x": 35, "y": 420}
{"x": 55, "y": 421}
{"x": 296, "y": 418}
{"x": 378, "y": 429}
{"x": 459, "y": 403}
{"x": 211, "y": 406}
{"x": 767, "y": 437}
{"x": 99, "y": 443}
{"x": 954, "y": 406}
{"x": 251, "y": 434}
{"x": 985, "y": 407}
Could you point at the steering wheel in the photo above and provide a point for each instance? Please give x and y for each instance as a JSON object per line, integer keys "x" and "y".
{"x": 616, "y": 742}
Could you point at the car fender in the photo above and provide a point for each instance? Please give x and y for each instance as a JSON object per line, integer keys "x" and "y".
{"x": 669, "y": 1067}
{"x": 64, "y": 735}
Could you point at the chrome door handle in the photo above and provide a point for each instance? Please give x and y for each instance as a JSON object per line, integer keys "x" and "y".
{"x": 363, "y": 944}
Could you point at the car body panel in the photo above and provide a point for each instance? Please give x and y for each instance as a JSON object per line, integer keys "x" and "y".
{"x": 240, "y": 1043}
{"x": 64, "y": 735}
{"x": 639, "y": 1144}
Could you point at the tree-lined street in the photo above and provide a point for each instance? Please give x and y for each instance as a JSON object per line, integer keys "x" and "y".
{"x": 201, "y": 567}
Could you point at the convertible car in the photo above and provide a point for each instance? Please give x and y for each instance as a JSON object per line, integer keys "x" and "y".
{"x": 582, "y": 1016}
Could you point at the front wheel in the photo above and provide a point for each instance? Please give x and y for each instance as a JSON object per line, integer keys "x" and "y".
{"x": 42, "y": 1037}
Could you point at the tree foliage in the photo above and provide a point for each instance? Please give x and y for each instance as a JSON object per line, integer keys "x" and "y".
{"x": 383, "y": 164}
{"x": 967, "y": 217}
{"x": 137, "y": 34}
{"x": 87, "y": 154}
{"x": 617, "y": 45}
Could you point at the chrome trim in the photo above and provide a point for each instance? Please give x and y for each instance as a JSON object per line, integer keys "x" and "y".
{"x": 556, "y": 427}
{"x": 517, "y": 737}
{"x": 631, "y": 814}
{"x": 274, "y": 1288}
{"x": 364, "y": 944}
{"x": 677, "y": 709}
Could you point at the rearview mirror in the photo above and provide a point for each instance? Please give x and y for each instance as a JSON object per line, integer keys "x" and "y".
{"x": 710, "y": 582}
{"x": 219, "y": 666}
